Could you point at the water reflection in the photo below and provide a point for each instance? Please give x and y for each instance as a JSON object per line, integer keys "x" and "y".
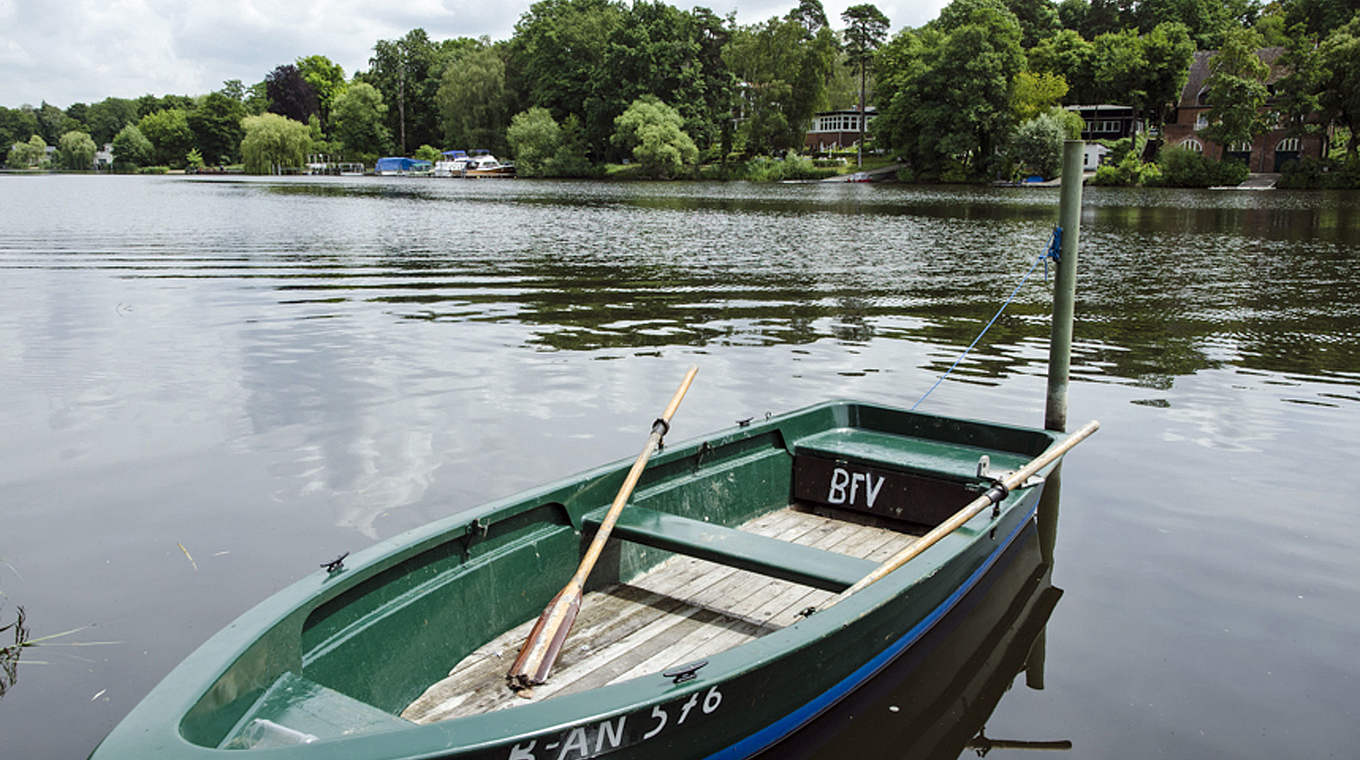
{"x": 1172, "y": 283}
{"x": 935, "y": 701}
{"x": 9, "y": 653}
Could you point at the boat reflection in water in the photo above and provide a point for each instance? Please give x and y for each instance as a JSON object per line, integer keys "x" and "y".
{"x": 933, "y": 702}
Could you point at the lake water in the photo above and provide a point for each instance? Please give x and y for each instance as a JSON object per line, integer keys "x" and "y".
{"x": 212, "y": 386}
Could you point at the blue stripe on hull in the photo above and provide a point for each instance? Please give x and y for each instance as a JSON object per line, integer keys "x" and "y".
{"x": 781, "y": 728}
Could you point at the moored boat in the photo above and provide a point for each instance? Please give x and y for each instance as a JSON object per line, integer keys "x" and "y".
{"x": 729, "y": 609}
{"x": 487, "y": 165}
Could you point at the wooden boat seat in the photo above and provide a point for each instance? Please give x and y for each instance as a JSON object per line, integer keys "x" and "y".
{"x": 297, "y": 704}
{"x": 772, "y": 557}
{"x": 940, "y": 459}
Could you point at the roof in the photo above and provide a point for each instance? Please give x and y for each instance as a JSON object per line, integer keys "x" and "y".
{"x": 847, "y": 111}
{"x": 1101, "y": 106}
{"x": 1199, "y": 72}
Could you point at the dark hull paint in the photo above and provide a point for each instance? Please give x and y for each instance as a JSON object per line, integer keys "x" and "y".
{"x": 337, "y": 631}
{"x": 934, "y": 700}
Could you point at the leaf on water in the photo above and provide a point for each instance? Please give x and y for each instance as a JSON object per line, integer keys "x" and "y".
{"x": 187, "y": 554}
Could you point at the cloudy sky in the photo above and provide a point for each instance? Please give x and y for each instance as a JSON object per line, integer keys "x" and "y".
{"x": 64, "y": 51}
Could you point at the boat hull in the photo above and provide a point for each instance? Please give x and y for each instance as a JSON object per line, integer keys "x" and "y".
{"x": 325, "y": 645}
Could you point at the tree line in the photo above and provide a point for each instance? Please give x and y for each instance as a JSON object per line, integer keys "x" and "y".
{"x": 975, "y": 93}
{"x": 738, "y": 90}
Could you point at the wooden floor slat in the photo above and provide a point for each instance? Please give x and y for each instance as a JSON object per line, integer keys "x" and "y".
{"x": 685, "y": 609}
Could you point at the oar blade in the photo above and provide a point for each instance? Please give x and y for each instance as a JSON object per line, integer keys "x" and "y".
{"x": 545, "y": 641}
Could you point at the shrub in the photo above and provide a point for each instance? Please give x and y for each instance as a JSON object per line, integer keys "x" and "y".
{"x": 791, "y": 166}
{"x": 1309, "y": 173}
{"x": 1184, "y": 168}
{"x": 1128, "y": 172}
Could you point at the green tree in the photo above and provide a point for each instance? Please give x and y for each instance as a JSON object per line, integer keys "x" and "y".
{"x": 1067, "y": 55}
{"x": 169, "y": 133}
{"x": 234, "y": 89}
{"x": 17, "y": 125}
{"x": 256, "y": 100}
{"x": 784, "y": 70}
{"x": 216, "y": 124}
{"x": 1104, "y": 17}
{"x": 272, "y": 141}
{"x": 327, "y": 80}
{"x": 108, "y": 116}
{"x": 1037, "y": 144}
{"x": 1168, "y": 52}
{"x": 866, "y": 28}
{"x": 26, "y": 155}
{"x": 1236, "y": 89}
{"x": 1298, "y": 100}
{"x": 1034, "y": 94}
{"x": 534, "y": 138}
{"x": 131, "y": 149}
{"x": 1320, "y": 17}
{"x": 358, "y": 121}
{"x": 948, "y": 90}
{"x": 53, "y": 123}
{"x": 653, "y": 132}
{"x": 572, "y": 156}
{"x": 810, "y": 15}
{"x": 559, "y": 61}
{"x": 1118, "y": 68}
{"x": 1038, "y": 20}
{"x": 75, "y": 150}
{"x": 407, "y": 72}
{"x": 1205, "y": 20}
{"x": 1340, "y": 54}
{"x": 474, "y": 101}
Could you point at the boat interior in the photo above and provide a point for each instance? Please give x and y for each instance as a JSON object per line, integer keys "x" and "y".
{"x": 725, "y": 540}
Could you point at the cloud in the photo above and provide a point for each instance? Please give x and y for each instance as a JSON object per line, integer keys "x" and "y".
{"x": 64, "y": 51}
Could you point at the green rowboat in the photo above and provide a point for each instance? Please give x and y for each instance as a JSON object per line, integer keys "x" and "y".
{"x": 714, "y": 624}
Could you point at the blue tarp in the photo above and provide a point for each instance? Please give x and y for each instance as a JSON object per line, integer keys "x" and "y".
{"x": 398, "y": 164}
{"x": 456, "y": 153}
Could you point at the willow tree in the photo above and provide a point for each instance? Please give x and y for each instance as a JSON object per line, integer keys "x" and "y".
{"x": 273, "y": 141}
{"x": 473, "y": 100}
{"x": 75, "y": 150}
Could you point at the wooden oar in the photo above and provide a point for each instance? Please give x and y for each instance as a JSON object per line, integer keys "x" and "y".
{"x": 994, "y": 495}
{"x": 540, "y": 649}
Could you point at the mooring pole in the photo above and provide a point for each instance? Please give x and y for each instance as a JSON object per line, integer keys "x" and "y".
{"x": 1064, "y": 288}
{"x": 1060, "y": 344}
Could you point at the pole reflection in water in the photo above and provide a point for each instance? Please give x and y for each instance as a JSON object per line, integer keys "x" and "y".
{"x": 934, "y": 701}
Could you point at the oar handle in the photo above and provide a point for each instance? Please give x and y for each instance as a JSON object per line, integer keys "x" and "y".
{"x": 955, "y": 521}
{"x": 659, "y": 429}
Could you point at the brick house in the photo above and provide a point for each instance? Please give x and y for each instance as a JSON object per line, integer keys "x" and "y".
{"x": 1266, "y": 152}
{"x": 833, "y": 130}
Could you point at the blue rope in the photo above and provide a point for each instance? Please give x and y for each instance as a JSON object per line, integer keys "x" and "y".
{"x": 1051, "y": 251}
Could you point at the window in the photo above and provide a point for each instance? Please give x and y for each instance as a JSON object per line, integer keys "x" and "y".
{"x": 1192, "y": 145}
{"x": 1201, "y": 120}
{"x": 1289, "y": 145}
{"x": 1240, "y": 147}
